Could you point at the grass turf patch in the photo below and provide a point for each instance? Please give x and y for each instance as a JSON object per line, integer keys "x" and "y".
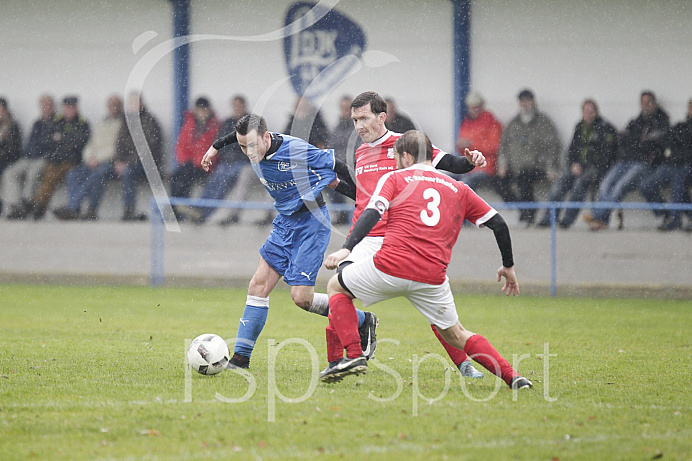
{"x": 98, "y": 373}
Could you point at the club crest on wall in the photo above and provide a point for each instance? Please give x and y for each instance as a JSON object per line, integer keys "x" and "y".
{"x": 321, "y": 48}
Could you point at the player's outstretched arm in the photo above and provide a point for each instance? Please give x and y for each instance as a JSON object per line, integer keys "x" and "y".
{"x": 511, "y": 286}
{"x": 459, "y": 165}
{"x": 207, "y": 159}
{"x": 504, "y": 242}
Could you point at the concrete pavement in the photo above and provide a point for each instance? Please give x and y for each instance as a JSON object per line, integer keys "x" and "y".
{"x": 637, "y": 261}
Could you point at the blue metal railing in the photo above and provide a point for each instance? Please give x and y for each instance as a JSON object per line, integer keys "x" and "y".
{"x": 158, "y": 228}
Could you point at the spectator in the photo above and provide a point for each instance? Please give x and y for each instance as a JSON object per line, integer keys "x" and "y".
{"x": 676, "y": 170}
{"x": 395, "y": 121}
{"x": 230, "y": 166}
{"x": 481, "y": 131}
{"x": 590, "y": 154}
{"x": 199, "y": 130}
{"x": 88, "y": 179}
{"x": 529, "y": 152}
{"x": 70, "y": 133}
{"x": 10, "y": 139}
{"x": 640, "y": 148}
{"x": 127, "y": 165}
{"x": 344, "y": 140}
{"x": 306, "y": 122}
{"x": 22, "y": 178}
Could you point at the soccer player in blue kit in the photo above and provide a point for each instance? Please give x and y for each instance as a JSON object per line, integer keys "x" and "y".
{"x": 294, "y": 173}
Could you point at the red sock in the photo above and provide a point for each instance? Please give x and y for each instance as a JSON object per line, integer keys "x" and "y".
{"x": 335, "y": 350}
{"x": 343, "y": 318}
{"x": 480, "y": 350}
{"x": 457, "y": 355}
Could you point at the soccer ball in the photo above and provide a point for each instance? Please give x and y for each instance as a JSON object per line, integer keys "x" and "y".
{"x": 208, "y": 354}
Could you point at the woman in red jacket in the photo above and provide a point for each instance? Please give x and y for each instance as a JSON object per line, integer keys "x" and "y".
{"x": 198, "y": 132}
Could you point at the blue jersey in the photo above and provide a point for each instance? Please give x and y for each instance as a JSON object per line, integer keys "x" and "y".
{"x": 294, "y": 173}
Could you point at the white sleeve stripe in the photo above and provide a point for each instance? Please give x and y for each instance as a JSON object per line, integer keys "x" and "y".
{"x": 438, "y": 157}
{"x": 483, "y": 219}
{"x": 378, "y": 199}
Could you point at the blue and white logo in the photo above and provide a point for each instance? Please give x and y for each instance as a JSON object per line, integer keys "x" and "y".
{"x": 321, "y": 53}
{"x": 286, "y": 166}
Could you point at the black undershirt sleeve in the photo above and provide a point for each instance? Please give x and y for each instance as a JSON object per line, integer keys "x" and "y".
{"x": 347, "y": 185}
{"x": 454, "y": 164}
{"x": 499, "y": 227}
{"x": 230, "y": 138}
{"x": 363, "y": 226}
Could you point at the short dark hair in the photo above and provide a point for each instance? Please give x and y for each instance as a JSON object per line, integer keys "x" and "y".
{"x": 250, "y": 122}
{"x": 377, "y": 102}
{"x": 415, "y": 143}
{"x": 203, "y": 103}
{"x": 648, "y": 93}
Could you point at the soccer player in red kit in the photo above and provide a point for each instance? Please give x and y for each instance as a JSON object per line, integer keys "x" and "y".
{"x": 375, "y": 158}
{"x": 425, "y": 212}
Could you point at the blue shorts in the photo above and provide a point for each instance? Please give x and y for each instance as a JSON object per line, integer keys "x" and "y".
{"x": 296, "y": 245}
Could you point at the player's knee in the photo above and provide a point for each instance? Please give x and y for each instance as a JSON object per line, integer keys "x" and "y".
{"x": 333, "y": 286}
{"x": 302, "y": 300}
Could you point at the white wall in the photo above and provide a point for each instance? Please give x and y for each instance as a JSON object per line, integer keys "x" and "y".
{"x": 563, "y": 50}
{"x": 86, "y": 48}
{"x": 567, "y": 51}
{"x": 82, "y": 48}
{"x": 421, "y": 80}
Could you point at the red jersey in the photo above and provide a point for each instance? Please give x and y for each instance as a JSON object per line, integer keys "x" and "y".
{"x": 373, "y": 160}
{"x": 426, "y": 211}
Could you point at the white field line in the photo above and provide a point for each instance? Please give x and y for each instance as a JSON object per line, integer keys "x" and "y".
{"x": 160, "y": 401}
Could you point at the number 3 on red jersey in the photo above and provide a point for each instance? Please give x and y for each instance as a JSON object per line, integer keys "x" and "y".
{"x": 431, "y": 216}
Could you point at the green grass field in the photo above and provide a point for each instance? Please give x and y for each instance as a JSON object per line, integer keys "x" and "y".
{"x": 99, "y": 373}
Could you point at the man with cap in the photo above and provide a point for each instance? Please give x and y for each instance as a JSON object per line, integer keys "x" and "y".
{"x": 198, "y": 132}
{"x": 529, "y": 151}
{"x": 69, "y": 135}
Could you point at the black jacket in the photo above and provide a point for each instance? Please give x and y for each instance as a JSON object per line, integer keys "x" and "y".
{"x": 126, "y": 151}
{"x": 680, "y": 144}
{"x": 10, "y": 145}
{"x": 68, "y": 140}
{"x": 40, "y": 139}
{"x": 594, "y": 145}
{"x": 644, "y": 139}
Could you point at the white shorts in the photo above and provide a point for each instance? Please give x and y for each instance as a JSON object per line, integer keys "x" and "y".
{"x": 365, "y": 249}
{"x": 371, "y": 286}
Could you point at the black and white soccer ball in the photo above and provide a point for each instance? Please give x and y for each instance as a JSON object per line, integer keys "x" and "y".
{"x": 208, "y": 354}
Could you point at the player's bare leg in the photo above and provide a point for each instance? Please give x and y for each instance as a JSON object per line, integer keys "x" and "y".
{"x": 480, "y": 350}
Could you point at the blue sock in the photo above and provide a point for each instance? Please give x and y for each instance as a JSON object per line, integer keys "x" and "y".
{"x": 251, "y": 324}
{"x": 361, "y": 317}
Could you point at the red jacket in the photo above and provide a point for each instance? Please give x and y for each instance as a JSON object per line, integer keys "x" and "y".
{"x": 191, "y": 148}
{"x": 484, "y": 132}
